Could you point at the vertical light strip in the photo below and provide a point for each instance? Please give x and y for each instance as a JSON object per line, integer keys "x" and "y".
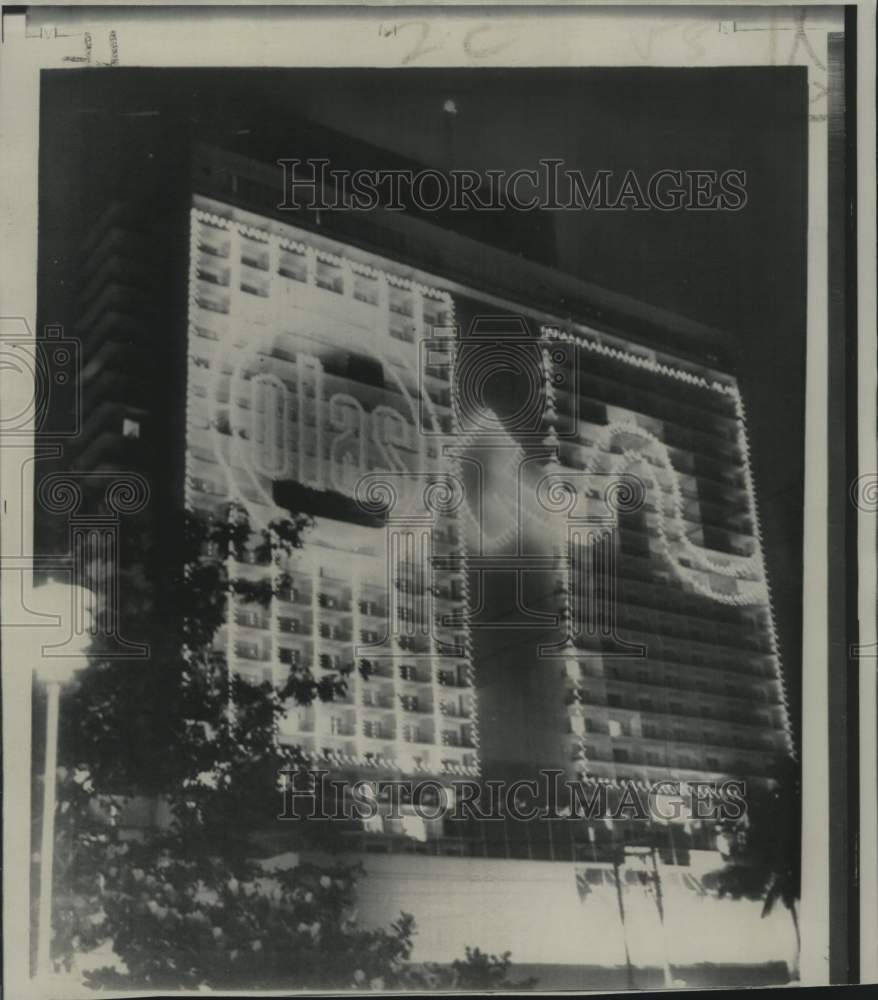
{"x": 273, "y": 628}
{"x": 432, "y": 613}
{"x": 315, "y": 640}
{"x": 756, "y": 536}
{"x": 392, "y": 617}
{"x": 232, "y": 562}
{"x": 356, "y": 626}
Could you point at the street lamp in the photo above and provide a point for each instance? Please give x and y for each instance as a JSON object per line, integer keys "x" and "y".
{"x": 59, "y": 651}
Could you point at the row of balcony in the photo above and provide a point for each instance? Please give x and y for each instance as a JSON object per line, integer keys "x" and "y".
{"x": 639, "y": 608}
{"x": 652, "y": 680}
{"x": 620, "y": 384}
{"x": 607, "y": 762}
{"x": 413, "y": 704}
{"x": 659, "y": 731}
{"x": 676, "y": 654}
{"x": 385, "y": 731}
{"x": 370, "y": 669}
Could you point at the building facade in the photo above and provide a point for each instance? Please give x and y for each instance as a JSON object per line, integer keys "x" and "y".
{"x": 583, "y": 590}
{"x": 304, "y": 389}
{"x": 673, "y": 664}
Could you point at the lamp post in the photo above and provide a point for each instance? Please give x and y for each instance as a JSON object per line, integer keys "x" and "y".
{"x": 72, "y": 633}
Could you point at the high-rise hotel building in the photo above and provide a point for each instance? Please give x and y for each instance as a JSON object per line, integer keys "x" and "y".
{"x": 632, "y": 641}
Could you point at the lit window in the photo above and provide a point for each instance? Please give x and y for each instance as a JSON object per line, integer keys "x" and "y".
{"x": 615, "y": 727}
{"x": 130, "y": 428}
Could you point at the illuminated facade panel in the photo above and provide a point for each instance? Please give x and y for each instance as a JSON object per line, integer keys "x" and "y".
{"x": 304, "y": 396}
{"x": 679, "y": 676}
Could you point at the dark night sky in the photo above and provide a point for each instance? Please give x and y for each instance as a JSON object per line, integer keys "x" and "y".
{"x": 117, "y": 131}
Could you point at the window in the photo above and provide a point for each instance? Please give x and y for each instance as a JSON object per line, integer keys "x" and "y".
{"x": 130, "y": 428}
{"x": 289, "y": 656}
{"x": 615, "y": 727}
{"x": 247, "y": 650}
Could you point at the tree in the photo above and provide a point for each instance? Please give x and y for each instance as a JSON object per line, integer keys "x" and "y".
{"x": 477, "y": 971}
{"x": 126, "y": 722}
{"x": 764, "y": 850}
{"x": 191, "y": 905}
{"x": 185, "y": 912}
{"x": 184, "y": 918}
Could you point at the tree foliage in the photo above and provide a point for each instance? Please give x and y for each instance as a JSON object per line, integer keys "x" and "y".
{"x": 764, "y": 859}
{"x": 183, "y": 918}
{"x": 136, "y": 725}
{"x": 188, "y": 904}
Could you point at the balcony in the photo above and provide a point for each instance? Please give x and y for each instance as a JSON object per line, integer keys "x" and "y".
{"x": 448, "y": 678}
{"x": 334, "y": 602}
{"x": 453, "y": 739}
{"x": 371, "y": 609}
{"x": 342, "y": 731}
{"x": 452, "y": 711}
{"x": 412, "y": 675}
{"x": 245, "y": 651}
{"x": 378, "y": 704}
{"x": 414, "y": 706}
{"x": 375, "y": 669}
{"x": 377, "y": 733}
